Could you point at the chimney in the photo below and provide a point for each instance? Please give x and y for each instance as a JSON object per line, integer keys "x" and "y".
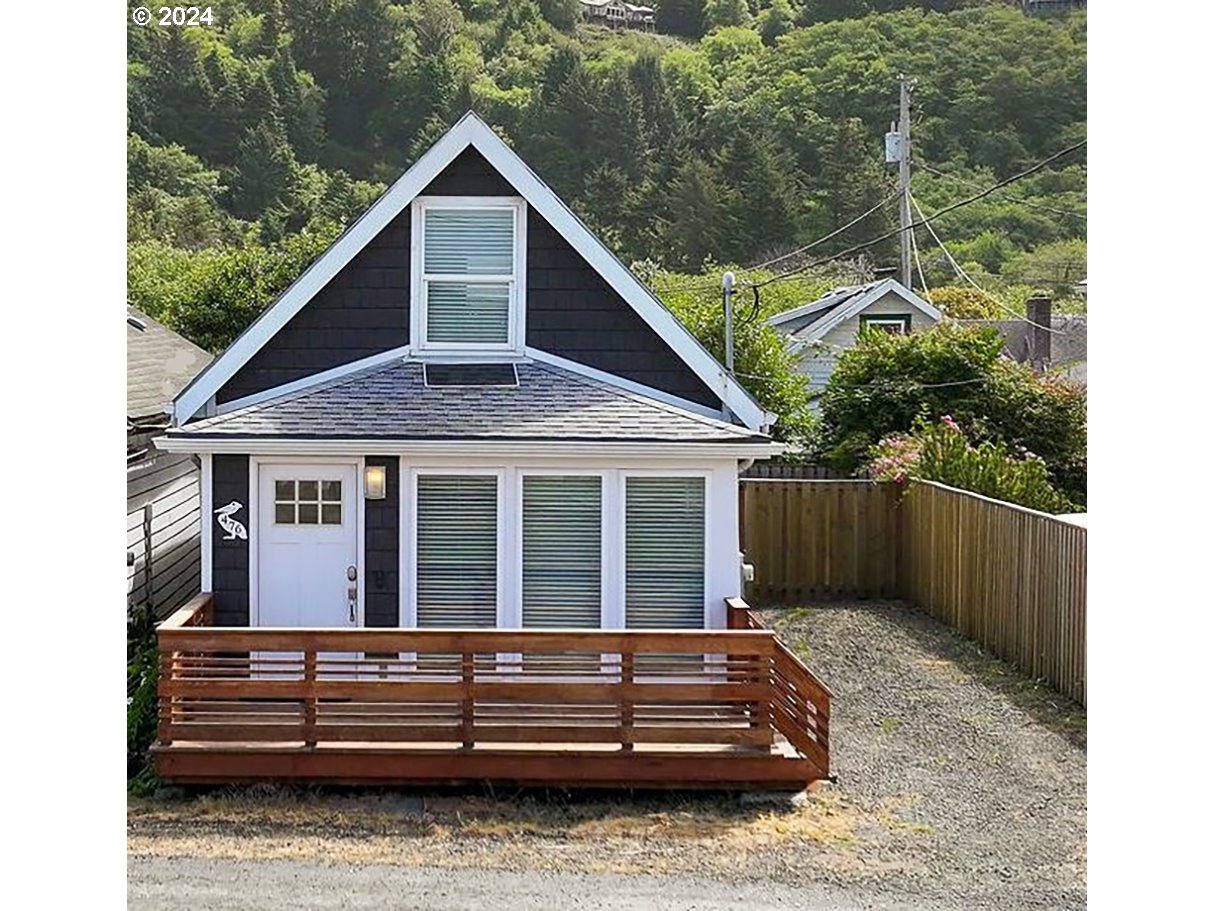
{"x": 1038, "y": 308}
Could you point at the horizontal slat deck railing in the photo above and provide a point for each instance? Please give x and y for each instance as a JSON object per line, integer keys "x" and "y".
{"x": 691, "y": 692}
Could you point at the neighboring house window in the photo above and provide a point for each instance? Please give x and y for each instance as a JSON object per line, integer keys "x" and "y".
{"x": 468, "y": 274}
{"x": 664, "y": 552}
{"x": 894, "y": 324}
{"x": 307, "y": 502}
{"x": 562, "y": 551}
{"x": 457, "y": 550}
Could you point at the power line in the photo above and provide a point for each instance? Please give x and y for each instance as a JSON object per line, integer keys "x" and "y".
{"x": 965, "y": 275}
{"x": 834, "y": 233}
{"x": 709, "y": 286}
{"x": 924, "y": 220}
{"x": 919, "y": 266}
{"x": 1023, "y": 202}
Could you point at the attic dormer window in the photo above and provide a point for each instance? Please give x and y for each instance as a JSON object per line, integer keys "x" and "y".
{"x": 468, "y": 269}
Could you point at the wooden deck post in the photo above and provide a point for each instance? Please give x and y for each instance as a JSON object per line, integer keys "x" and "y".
{"x": 309, "y": 706}
{"x": 468, "y": 700}
{"x": 164, "y": 674}
{"x": 627, "y": 678}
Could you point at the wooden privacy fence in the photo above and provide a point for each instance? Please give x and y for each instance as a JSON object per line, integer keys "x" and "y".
{"x": 464, "y": 690}
{"x": 1013, "y": 579}
{"x": 815, "y": 539}
{"x": 1010, "y": 578}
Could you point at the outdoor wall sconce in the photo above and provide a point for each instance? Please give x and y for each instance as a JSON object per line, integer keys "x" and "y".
{"x": 375, "y": 482}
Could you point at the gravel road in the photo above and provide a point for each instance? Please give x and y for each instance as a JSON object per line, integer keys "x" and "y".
{"x": 961, "y": 785}
{"x": 156, "y": 883}
{"x": 987, "y": 769}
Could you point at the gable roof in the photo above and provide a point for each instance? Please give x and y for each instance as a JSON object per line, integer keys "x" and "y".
{"x": 396, "y": 403}
{"x": 473, "y": 132}
{"x": 842, "y": 304}
{"x": 159, "y": 364}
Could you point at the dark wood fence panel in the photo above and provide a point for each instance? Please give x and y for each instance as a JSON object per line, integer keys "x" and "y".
{"x": 819, "y": 539}
{"x": 1010, "y": 578}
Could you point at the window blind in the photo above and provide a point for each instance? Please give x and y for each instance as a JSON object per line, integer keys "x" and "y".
{"x": 469, "y": 242}
{"x": 562, "y": 551}
{"x": 664, "y": 553}
{"x": 472, "y": 313}
{"x": 456, "y": 551}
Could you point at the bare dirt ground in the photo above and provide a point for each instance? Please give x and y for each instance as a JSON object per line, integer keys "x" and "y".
{"x": 960, "y": 785}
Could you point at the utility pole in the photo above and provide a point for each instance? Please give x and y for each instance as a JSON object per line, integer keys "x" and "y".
{"x": 904, "y": 179}
{"x": 727, "y": 282}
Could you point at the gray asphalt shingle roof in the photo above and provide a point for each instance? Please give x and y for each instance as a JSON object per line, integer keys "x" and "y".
{"x": 159, "y": 364}
{"x": 393, "y": 402}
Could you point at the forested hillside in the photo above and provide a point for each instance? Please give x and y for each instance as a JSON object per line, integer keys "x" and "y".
{"x": 736, "y": 133}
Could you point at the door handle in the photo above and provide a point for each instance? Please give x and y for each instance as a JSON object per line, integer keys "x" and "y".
{"x": 352, "y": 592}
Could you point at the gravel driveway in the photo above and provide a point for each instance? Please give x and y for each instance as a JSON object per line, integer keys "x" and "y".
{"x": 960, "y": 785}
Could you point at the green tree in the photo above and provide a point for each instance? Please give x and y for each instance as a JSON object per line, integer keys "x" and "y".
{"x": 680, "y": 17}
{"x": 721, "y": 13}
{"x": 265, "y": 171}
{"x": 886, "y": 383}
{"x": 775, "y": 21}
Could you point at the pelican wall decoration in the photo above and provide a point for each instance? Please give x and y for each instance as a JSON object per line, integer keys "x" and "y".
{"x": 233, "y": 528}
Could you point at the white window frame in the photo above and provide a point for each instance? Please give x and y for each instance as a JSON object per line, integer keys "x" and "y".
{"x": 408, "y": 606}
{"x": 622, "y": 531}
{"x": 606, "y": 530}
{"x": 420, "y": 279}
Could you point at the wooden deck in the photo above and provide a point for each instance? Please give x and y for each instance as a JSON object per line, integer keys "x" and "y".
{"x": 718, "y": 709}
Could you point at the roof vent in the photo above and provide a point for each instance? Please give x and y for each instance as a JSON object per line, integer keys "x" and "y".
{"x": 479, "y": 375}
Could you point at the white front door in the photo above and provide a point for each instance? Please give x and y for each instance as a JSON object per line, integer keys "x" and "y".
{"x": 307, "y": 545}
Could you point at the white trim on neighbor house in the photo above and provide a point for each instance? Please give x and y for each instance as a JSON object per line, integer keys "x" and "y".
{"x": 254, "y": 530}
{"x": 419, "y": 278}
{"x": 860, "y": 303}
{"x": 457, "y": 448}
{"x": 470, "y": 131}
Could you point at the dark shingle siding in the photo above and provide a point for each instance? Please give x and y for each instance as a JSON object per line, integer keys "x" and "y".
{"x": 574, "y": 313}
{"x": 469, "y": 175}
{"x": 230, "y": 559}
{"x": 382, "y": 542}
{"x": 364, "y": 310}
{"x": 571, "y": 310}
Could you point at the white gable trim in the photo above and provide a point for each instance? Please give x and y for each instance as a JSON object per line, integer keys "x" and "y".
{"x": 859, "y": 304}
{"x": 314, "y": 379}
{"x": 831, "y": 299}
{"x": 469, "y": 131}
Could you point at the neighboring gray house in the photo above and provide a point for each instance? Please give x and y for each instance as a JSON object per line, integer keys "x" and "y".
{"x": 161, "y": 487}
{"x": 819, "y": 331}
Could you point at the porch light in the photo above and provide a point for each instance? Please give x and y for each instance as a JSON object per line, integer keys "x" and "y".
{"x": 375, "y": 482}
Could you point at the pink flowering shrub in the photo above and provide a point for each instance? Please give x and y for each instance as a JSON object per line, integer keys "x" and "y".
{"x": 941, "y": 452}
